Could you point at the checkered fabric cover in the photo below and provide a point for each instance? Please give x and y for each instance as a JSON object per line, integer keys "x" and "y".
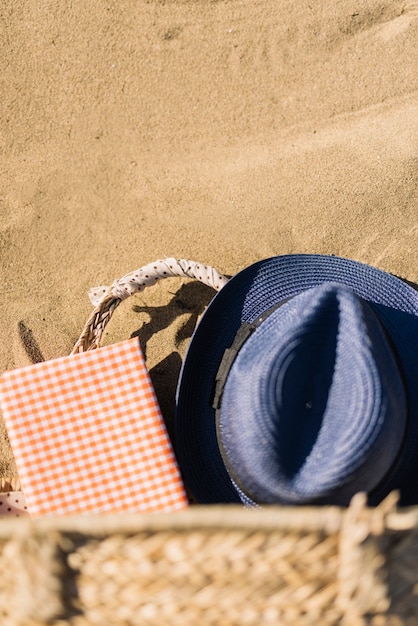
{"x": 88, "y": 436}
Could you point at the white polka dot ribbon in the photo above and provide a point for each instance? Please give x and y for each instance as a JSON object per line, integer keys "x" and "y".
{"x": 106, "y": 298}
{"x": 13, "y": 504}
{"x": 136, "y": 281}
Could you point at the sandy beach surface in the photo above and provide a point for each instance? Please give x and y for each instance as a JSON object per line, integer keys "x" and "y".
{"x": 221, "y": 131}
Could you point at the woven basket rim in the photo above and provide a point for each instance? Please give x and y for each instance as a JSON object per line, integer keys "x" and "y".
{"x": 224, "y": 517}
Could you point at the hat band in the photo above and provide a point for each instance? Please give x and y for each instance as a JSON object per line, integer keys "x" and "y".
{"x": 244, "y": 331}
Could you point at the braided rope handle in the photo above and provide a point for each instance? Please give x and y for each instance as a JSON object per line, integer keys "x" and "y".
{"x": 106, "y": 299}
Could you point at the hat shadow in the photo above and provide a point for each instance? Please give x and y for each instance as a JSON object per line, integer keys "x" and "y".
{"x": 191, "y": 298}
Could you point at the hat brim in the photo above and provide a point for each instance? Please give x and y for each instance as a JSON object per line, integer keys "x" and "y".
{"x": 244, "y": 298}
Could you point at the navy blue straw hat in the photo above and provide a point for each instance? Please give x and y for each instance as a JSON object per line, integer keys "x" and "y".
{"x": 300, "y": 385}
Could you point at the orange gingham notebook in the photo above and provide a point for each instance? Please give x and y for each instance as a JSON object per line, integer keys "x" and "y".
{"x": 88, "y": 436}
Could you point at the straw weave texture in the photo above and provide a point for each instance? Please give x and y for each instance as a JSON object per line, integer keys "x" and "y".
{"x": 213, "y": 565}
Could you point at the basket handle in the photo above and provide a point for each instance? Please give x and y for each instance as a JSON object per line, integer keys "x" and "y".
{"x": 106, "y": 299}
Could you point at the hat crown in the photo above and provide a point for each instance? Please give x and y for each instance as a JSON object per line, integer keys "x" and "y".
{"x": 314, "y": 404}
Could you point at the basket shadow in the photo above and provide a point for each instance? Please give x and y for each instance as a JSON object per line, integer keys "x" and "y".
{"x": 191, "y": 298}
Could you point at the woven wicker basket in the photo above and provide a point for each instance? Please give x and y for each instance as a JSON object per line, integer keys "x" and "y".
{"x": 219, "y": 565}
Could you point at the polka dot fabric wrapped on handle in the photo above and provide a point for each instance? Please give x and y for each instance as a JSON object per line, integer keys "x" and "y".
{"x": 106, "y": 299}
{"x": 12, "y": 500}
{"x": 86, "y": 429}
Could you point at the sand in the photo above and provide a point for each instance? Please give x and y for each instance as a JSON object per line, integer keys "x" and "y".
{"x": 221, "y": 131}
